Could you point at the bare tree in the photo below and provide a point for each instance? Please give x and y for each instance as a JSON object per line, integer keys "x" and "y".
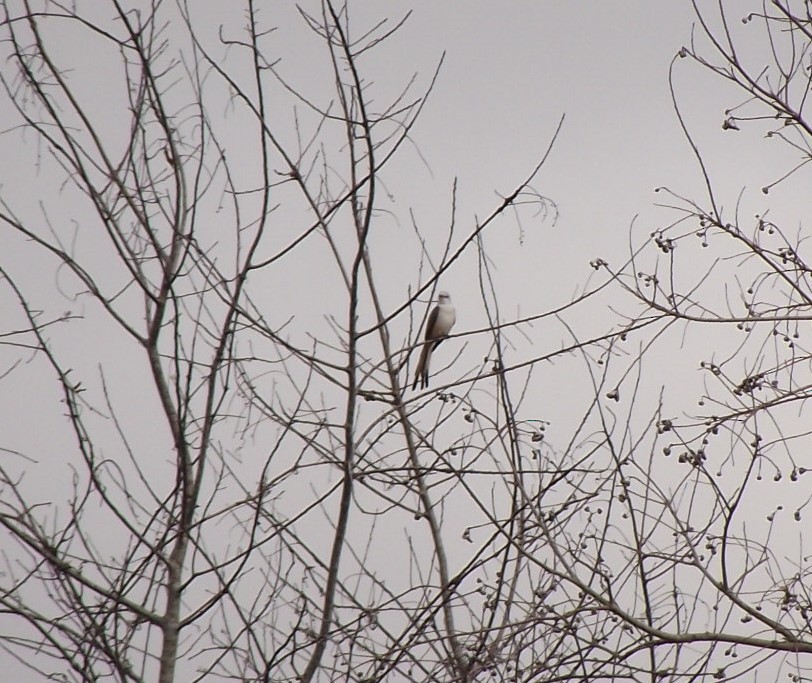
{"x": 709, "y": 492}
{"x": 232, "y": 480}
{"x": 194, "y": 518}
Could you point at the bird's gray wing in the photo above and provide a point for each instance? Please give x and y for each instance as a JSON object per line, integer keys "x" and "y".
{"x": 431, "y": 323}
{"x": 421, "y": 374}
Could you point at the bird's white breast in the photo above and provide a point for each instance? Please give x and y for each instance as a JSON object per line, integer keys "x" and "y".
{"x": 446, "y": 317}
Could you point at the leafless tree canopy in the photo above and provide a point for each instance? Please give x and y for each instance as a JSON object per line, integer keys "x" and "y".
{"x": 212, "y": 466}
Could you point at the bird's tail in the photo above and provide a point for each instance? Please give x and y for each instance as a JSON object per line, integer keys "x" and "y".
{"x": 421, "y": 374}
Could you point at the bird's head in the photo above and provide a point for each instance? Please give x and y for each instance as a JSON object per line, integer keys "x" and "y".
{"x": 443, "y": 298}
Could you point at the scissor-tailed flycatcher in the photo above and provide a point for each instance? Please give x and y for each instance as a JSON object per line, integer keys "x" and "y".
{"x": 439, "y": 324}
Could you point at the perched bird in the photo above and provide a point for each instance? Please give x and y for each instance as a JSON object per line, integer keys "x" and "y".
{"x": 439, "y": 324}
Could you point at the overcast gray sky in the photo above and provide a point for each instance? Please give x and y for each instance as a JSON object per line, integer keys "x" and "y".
{"x": 511, "y": 71}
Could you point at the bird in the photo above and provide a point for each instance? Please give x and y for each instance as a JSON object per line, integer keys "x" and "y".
{"x": 441, "y": 320}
